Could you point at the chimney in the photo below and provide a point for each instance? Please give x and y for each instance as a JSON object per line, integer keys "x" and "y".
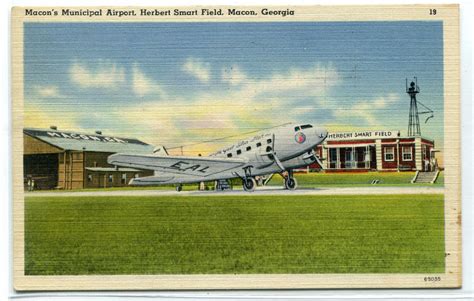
{"x": 98, "y": 132}
{"x": 53, "y": 127}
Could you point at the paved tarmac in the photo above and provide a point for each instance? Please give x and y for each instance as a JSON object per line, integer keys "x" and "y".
{"x": 268, "y": 190}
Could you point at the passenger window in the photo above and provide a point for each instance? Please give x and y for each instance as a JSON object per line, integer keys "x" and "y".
{"x": 229, "y": 155}
{"x": 239, "y": 152}
{"x": 259, "y": 144}
{"x": 269, "y": 141}
{"x": 248, "y": 148}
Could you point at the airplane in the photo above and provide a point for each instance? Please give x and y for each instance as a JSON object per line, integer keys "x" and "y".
{"x": 279, "y": 150}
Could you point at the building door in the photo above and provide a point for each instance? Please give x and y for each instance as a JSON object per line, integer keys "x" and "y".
{"x": 349, "y": 158}
{"x": 367, "y": 157}
{"x": 373, "y": 161}
{"x": 101, "y": 179}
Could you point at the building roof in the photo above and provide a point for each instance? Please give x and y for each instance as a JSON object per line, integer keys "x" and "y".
{"x": 68, "y": 140}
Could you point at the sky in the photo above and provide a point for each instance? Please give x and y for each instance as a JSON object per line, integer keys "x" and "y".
{"x": 176, "y": 84}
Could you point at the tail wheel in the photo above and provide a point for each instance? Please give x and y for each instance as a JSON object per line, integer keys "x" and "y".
{"x": 290, "y": 183}
{"x": 249, "y": 184}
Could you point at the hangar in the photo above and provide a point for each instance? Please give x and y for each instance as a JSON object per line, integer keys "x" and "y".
{"x": 54, "y": 159}
{"x": 383, "y": 150}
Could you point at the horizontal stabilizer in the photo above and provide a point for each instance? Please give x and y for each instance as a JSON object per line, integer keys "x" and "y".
{"x": 150, "y": 181}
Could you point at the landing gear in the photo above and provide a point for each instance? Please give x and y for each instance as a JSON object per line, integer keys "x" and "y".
{"x": 290, "y": 181}
{"x": 179, "y": 187}
{"x": 249, "y": 184}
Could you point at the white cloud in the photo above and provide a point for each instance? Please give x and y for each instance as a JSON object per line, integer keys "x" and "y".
{"x": 104, "y": 74}
{"x": 48, "y": 92}
{"x": 197, "y": 68}
{"x": 143, "y": 85}
{"x": 233, "y": 75}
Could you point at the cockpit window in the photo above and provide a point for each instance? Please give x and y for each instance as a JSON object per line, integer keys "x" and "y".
{"x": 297, "y": 128}
{"x": 229, "y": 155}
{"x": 306, "y": 126}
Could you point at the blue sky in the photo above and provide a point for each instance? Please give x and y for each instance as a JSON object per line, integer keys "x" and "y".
{"x": 169, "y": 83}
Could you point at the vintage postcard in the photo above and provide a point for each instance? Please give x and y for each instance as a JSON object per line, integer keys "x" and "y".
{"x": 236, "y": 147}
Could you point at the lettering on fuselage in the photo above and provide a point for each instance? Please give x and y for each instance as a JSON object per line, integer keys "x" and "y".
{"x": 185, "y": 166}
{"x": 242, "y": 143}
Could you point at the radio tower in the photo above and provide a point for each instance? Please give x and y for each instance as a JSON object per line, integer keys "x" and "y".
{"x": 413, "y": 118}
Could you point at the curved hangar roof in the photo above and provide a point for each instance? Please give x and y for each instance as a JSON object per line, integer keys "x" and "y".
{"x": 89, "y": 142}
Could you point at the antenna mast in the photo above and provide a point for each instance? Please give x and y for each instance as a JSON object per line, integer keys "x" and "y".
{"x": 413, "y": 117}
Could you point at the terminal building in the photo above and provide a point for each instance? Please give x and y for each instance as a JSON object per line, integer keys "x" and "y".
{"x": 382, "y": 150}
{"x": 55, "y": 159}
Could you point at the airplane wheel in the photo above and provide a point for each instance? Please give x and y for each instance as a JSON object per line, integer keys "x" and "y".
{"x": 249, "y": 184}
{"x": 290, "y": 183}
{"x": 179, "y": 188}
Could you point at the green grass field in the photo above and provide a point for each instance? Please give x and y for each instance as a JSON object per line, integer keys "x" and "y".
{"x": 254, "y": 234}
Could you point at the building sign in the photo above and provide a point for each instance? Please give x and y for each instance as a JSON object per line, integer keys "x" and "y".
{"x": 362, "y": 135}
{"x": 84, "y": 137}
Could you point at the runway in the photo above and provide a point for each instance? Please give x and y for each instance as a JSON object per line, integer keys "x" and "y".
{"x": 269, "y": 190}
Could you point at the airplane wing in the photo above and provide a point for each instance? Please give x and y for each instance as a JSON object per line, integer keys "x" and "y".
{"x": 177, "y": 165}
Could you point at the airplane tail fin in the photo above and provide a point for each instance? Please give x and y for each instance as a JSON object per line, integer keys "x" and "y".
{"x": 160, "y": 150}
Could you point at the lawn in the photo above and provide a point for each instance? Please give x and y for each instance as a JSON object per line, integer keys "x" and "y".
{"x": 251, "y": 234}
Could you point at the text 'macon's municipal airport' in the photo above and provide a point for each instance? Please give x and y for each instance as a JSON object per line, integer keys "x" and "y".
{"x": 58, "y": 158}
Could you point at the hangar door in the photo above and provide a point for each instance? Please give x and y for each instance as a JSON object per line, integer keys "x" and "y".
{"x": 42, "y": 168}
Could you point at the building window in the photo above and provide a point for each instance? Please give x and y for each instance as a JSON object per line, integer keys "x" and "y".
{"x": 95, "y": 163}
{"x": 333, "y": 158}
{"x": 111, "y": 178}
{"x": 248, "y": 148}
{"x": 259, "y": 144}
{"x": 124, "y": 178}
{"x": 407, "y": 153}
{"x": 389, "y": 154}
{"x": 239, "y": 152}
{"x": 229, "y": 155}
{"x": 89, "y": 178}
